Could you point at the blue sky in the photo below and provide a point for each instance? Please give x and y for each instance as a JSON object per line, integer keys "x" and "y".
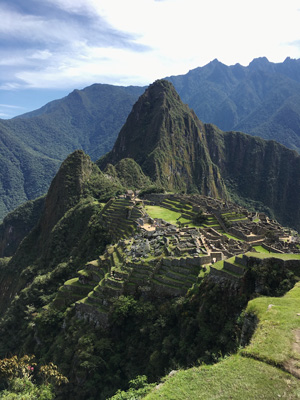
{"x": 50, "y": 47}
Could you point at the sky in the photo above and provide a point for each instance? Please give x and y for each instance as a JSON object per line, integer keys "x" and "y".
{"x": 48, "y": 48}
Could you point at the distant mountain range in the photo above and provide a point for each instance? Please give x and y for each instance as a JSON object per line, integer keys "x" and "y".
{"x": 262, "y": 99}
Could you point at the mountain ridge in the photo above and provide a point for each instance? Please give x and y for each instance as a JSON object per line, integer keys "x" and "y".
{"x": 261, "y": 99}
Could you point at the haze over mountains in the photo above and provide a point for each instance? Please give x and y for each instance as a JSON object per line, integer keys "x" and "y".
{"x": 261, "y": 99}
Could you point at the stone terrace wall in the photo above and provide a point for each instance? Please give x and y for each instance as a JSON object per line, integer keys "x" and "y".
{"x": 238, "y": 233}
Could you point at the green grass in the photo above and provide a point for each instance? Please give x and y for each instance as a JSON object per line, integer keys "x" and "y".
{"x": 233, "y": 237}
{"x": 261, "y": 249}
{"x": 255, "y": 376}
{"x": 170, "y": 216}
{"x": 273, "y": 338}
{"x": 188, "y": 222}
{"x": 284, "y": 256}
{"x": 73, "y": 281}
{"x": 219, "y": 264}
{"x": 163, "y": 213}
{"x": 174, "y": 216}
{"x": 235, "y": 378}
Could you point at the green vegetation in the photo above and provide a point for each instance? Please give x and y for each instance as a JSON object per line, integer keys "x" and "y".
{"x": 261, "y": 249}
{"x": 285, "y": 256}
{"x": 17, "y": 224}
{"x": 171, "y": 216}
{"x": 131, "y": 175}
{"x": 278, "y": 318}
{"x": 233, "y": 378}
{"x": 232, "y": 237}
{"x": 272, "y": 113}
{"x": 136, "y": 310}
{"x": 255, "y": 370}
{"x": 18, "y": 375}
{"x": 34, "y": 145}
{"x": 146, "y": 138}
{"x": 138, "y": 389}
{"x": 160, "y": 212}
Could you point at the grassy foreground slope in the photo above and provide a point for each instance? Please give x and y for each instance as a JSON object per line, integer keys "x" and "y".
{"x": 256, "y": 372}
{"x": 235, "y": 378}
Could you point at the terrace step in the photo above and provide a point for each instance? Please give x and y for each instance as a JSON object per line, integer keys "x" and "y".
{"x": 170, "y": 281}
{"x": 234, "y": 268}
{"x": 167, "y": 288}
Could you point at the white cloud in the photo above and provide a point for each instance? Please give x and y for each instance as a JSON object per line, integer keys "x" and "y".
{"x": 41, "y": 55}
{"x": 138, "y": 41}
{"x": 11, "y": 106}
{"x": 74, "y": 6}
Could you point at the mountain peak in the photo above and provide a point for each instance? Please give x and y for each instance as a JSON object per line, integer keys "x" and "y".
{"x": 143, "y": 128}
{"x": 159, "y": 90}
{"x": 259, "y": 62}
{"x": 166, "y": 139}
{"x": 65, "y": 189}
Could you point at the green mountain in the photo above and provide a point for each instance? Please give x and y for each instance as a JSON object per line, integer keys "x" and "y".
{"x": 167, "y": 140}
{"x": 257, "y": 170}
{"x": 112, "y": 285}
{"x": 25, "y": 173}
{"x": 33, "y": 145}
{"x": 261, "y": 99}
{"x": 110, "y": 292}
{"x": 180, "y": 153}
{"x": 17, "y": 224}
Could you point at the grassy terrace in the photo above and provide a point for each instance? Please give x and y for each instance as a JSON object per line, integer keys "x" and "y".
{"x": 273, "y": 339}
{"x": 163, "y": 213}
{"x": 261, "y": 249}
{"x": 232, "y": 237}
{"x": 234, "y": 378}
{"x": 256, "y": 372}
{"x": 285, "y": 256}
{"x": 234, "y": 217}
{"x": 173, "y": 217}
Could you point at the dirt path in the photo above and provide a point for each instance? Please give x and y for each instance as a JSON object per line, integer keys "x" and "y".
{"x": 293, "y": 365}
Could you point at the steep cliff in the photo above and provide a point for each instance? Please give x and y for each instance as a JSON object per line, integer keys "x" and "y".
{"x": 259, "y": 170}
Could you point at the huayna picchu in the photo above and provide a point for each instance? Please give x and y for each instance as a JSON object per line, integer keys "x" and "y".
{"x": 153, "y": 263}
